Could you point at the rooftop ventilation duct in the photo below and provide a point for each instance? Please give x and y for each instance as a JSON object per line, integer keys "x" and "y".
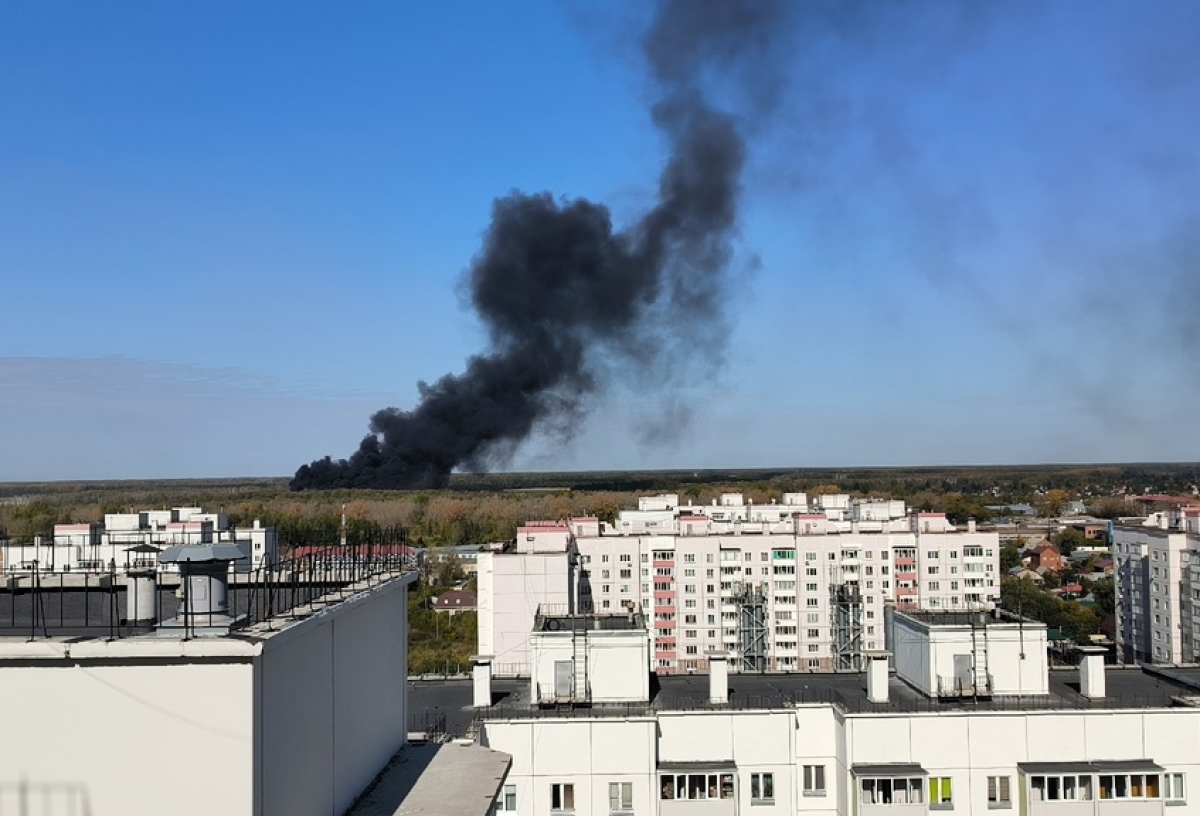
{"x": 204, "y": 586}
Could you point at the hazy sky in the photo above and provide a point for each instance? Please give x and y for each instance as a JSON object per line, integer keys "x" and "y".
{"x": 229, "y": 231}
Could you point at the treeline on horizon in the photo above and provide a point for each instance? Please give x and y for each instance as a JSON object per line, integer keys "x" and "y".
{"x": 478, "y": 508}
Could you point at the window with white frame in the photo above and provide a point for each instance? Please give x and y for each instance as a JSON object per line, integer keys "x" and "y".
{"x": 1129, "y": 786}
{"x": 940, "y": 792}
{"x": 814, "y": 780}
{"x": 562, "y": 797}
{"x": 999, "y": 792}
{"x": 890, "y": 790}
{"x": 1173, "y": 789}
{"x": 1065, "y": 787}
{"x": 620, "y": 797}
{"x": 762, "y": 788}
{"x": 696, "y": 786}
{"x": 507, "y": 801}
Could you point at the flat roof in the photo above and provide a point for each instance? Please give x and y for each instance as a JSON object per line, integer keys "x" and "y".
{"x": 88, "y": 623}
{"x": 1127, "y": 688}
{"x": 936, "y": 618}
{"x": 451, "y": 779}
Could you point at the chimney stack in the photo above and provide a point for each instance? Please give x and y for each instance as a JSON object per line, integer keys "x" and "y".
{"x": 481, "y": 675}
{"x": 718, "y": 677}
{"x": 1091, "y": 672}
{"x": 877, "y": 676}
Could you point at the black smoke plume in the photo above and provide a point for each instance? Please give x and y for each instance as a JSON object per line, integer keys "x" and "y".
{"x": 564, "y": 296}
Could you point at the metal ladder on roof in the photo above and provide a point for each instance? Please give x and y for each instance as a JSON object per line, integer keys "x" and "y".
{"x": 579, "y": 649}
{"x": 979, "y": 650}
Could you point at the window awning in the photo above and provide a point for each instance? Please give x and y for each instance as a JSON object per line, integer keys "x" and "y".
{"x": 888, "y": 769}
{"x": 1098, "y": 766}
{"x": 686, "y": 767}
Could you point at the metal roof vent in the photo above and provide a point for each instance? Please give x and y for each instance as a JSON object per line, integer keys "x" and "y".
{"x": 204, "y": 589}
{"x": 141, "y": 588}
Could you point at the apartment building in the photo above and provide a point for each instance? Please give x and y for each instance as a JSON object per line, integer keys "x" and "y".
{"x": 133, "y": 540}
{"x": 1157, "y": 570}
{"x": 1094, "y": 740}
{"x": 786, "y": 586}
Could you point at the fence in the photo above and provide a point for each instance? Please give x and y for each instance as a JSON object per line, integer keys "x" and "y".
{"x": 848, "y": 703}
{"x": 37, "y": 604}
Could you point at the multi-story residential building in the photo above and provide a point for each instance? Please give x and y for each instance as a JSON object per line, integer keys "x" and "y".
{"x": 782, "y": 587}
{"x": 929, "y": 737}
{"x": 133, "y": 540}
{"x": 1157, "y": 571}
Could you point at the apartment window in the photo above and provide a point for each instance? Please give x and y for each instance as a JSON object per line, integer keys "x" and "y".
{"x": 689, "y": 573}
{"x": 1129, "y": 786}
{"x": 810, "y": 587}
{"x": 689, "y": 634}
{"x": 814, "y": 647}
{"x": 604, "y": 574}
{"x": 1173, "y": 790}
{"x": 604, "y": 559}
{"x": 932, "y": 570}
{"x": 1069, "y": 788}
{"x": 814, "y": 780}
{"x": 764, "y": 556}
{"x": 689, "y": 618}
{"x": 620, "y": 797}
{"x": 999, "y": 792}
{"x": 696, "y": 786}
{"x": 562, "y": 797}
{"x": 626, "y": 573}
{"x": 813, "y": 617}
{"x": 934, "y": 586}
{"x": 814, "y": 664}
{"x": 627, "y": 558}
{"x": 507, "y": 801}
{"x": 891, "y": 790}
{"x": 940, "y": 794}
{"x": 692, "y": 650}
{"x": 689, "y": 558}
{"x": 689, "y": 588}
{"x": 690, "y": 603}
{"x": 814, "y": 633}
{"x": 762, "y": 788}
{"x": 810, "y": 602}
{"x": 710, "y": 603}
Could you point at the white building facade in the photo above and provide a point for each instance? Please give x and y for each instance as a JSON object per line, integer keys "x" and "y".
{"x": 1157, "y": 584}
{"x": 785, "y": 586}
{"x": 131, "y": 540}
{"x": 1033, "y": 745}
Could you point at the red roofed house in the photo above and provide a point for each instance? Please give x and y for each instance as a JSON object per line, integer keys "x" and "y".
{"x": 1045, "y": 555}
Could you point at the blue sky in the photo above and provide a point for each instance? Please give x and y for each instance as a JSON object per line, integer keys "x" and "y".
{"x": 230, "y": 231}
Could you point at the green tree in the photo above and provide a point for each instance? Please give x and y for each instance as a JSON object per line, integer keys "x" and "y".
{"x": 1068, "y": 539}
{"x": 1104, "y": 595}
{"x": 1010, "y": 557}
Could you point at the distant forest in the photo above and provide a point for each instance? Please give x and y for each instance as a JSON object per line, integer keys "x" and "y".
{"x": 478, "y": 508}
